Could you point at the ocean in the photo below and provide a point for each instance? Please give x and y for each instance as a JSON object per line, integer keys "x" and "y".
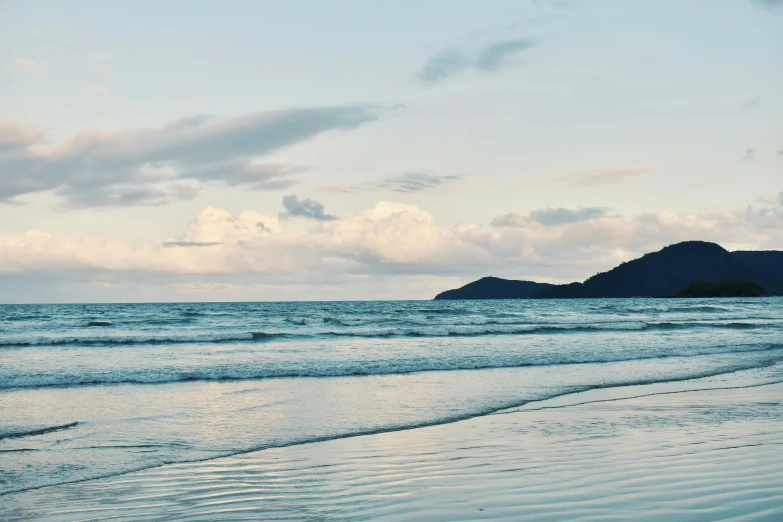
{"x": 104, "y": 392}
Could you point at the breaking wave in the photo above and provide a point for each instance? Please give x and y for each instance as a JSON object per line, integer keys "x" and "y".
{"x": 310, "y": 368}
{"x": 478, "y": 328}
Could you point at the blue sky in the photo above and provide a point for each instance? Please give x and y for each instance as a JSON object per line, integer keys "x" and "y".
{"x": 388, "y": 149}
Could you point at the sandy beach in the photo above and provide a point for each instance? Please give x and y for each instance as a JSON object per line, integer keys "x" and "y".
{"x": 667, "y": 455}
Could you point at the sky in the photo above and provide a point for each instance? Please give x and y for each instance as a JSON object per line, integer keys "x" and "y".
{"x": 250, "y": 150}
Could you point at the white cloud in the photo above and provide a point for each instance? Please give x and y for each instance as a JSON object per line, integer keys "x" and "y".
{"x": 218, "y": 225}
{"x": 389, "y": 240}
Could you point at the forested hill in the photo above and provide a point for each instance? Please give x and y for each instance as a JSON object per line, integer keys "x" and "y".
{"x": 657, "y": 274}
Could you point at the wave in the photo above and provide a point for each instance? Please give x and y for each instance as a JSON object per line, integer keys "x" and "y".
{"x": 157, "y": 321}
{"x": 729, "y": 325}
{"x": 449, "y": 330}
{"x": 191, "y": 313}
{"x": 31, "y": 317}
{"x": 453, "y": 311}
{"x": 34, "y": 431}
{"x": 141, "y": 339}
{"x": 353, "y": 368}
{"x": 666, "y": 308}
{"x": 350, "y": 321}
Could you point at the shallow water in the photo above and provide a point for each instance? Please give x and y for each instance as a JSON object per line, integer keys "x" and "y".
{"x": 149, "y": 385}
{"x": 668, "y": 455}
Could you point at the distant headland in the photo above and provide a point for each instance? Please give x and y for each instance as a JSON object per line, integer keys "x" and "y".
{"x": 687, "y": 269}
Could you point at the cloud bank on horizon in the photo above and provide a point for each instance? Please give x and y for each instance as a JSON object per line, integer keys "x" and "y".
{"x": 384, "y": 241}
{"x": 389, "y": 154}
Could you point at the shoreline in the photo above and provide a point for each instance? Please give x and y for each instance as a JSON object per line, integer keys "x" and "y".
{"x": 600, "y": 425}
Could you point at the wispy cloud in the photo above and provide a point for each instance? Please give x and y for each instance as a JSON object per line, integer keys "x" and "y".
{"x": 445, "y": 64}
{"x": 497, "y": 55}
{"x": 549, "y": 217}
{"x": 493, "y": 57}
{"x": 22, "y": 65}
{"x": 149, "y": 166}
{"x": 246, "y": 172}
{"x": 601, "y": 176}
{"x": 406, "y": 183}
{"x": 304, "y": 208}
{"x": 414, "y": 182}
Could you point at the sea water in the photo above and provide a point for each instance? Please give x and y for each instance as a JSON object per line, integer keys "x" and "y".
{"x": 104, "y": 390}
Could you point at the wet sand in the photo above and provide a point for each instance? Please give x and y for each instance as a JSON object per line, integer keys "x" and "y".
{"x": 671, "y": 455}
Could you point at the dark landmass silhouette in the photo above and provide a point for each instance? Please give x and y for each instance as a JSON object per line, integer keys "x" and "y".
{"x": 722, "y": 289}
{"x": 495, "y": 288}
{"x": 658, "y": 274}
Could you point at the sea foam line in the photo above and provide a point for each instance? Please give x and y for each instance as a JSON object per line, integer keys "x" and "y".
{"x": 350, "y": 368}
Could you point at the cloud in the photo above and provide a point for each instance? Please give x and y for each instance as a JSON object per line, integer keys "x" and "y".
{"x": 255, "y": 176}
{"x": 749, "y": 155}
{"x": 218, "y": 225}
{"x": 444, "y": 65}
{"x": 22, "y": 65}
{"x": 549, "y": 217}
{"x": 491, "y": 58}
{"x": 561, "y": 216}
{"x": 130, "y": 195}
{"x": 602, "y": 176}
{"x": 142, "y": 166}
{"x": 414, "y": 182}
{"x": 406, "y": 183}
{"x": 390, "y": 250}
{"x": 496, "y": 56}
{"x": 304, "y": 208}
{"x": 390, "y": 239}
